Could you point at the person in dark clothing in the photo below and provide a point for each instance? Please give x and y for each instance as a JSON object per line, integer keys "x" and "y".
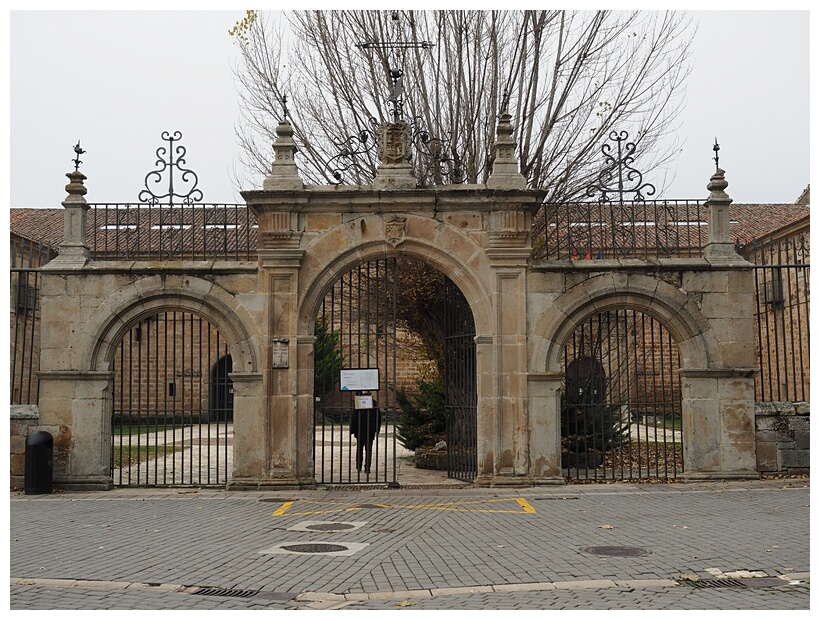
{"x": 364, "y": 426}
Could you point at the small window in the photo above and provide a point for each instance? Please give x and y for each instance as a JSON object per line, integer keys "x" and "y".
{"x": 172, "y": 389}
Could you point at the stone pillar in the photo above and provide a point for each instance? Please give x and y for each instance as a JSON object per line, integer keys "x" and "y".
{"x": 286, "y": 463}
{"x": 718, "y": 400}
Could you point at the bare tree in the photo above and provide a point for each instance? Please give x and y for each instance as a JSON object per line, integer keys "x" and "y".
{"x": 570, "y": 77}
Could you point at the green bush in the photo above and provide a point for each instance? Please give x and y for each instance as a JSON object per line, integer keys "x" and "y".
{"x": 421, "y": 418}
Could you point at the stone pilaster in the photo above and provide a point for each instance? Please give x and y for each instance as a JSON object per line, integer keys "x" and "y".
{"x": 544, "y": 397}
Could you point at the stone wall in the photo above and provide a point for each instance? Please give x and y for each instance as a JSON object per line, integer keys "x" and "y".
{"x": 782, "y": 437}
{"x": 24, "y": 420}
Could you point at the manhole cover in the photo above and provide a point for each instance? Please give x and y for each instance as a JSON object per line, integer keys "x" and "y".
{"x": 369, "y": 506}
{"x": 277, "y": 500}
{"x": 314, "y": 548}
{"x": 330, "y": 527}
{"x": 623, "y": 552}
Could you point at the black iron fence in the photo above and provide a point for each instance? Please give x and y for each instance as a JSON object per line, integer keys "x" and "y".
{"x": 606, "y": 230}
{"x": 781, "y": 316}
{"x": 149, "y": 231}
{"x": 26, "y": 259}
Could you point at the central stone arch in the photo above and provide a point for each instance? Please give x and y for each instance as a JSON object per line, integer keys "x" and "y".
{"x": 465, "y": 265}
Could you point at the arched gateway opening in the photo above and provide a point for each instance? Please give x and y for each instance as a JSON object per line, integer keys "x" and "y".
{"x": 172, "y": 414}
{"x": 394, "y": 372}
{"x": 621, "y": 403}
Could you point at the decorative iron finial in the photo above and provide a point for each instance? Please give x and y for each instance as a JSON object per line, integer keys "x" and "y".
{"x": 716, "y": 148}
{"x": 505, "y": 102}
{"x": 285, "y": 112}
{"x": 618, "y": 169}
{"x": 167, "y": 166}
{"x": 79, "y": 151}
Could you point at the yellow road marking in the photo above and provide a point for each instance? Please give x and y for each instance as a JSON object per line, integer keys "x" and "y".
{"x": 464, "y": 506}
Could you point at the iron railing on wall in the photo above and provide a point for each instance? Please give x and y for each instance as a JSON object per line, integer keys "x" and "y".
{"x": 781, "y": 316}
{"x": 151, "y": 231}
{"x": 26, "y": 259}
{"x": 626, "y": 229}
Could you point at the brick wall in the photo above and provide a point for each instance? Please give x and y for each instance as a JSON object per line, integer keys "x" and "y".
{"x": 782, "y": 437}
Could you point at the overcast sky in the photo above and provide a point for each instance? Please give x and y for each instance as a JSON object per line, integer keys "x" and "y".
{"x": 116, "y": 80}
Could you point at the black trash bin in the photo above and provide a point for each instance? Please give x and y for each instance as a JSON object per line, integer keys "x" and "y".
{"x": 39, "y": 455}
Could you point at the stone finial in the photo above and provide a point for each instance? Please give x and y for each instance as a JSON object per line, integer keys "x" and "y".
{"x": 719, "y": 245}
{"x": 505, "y": 174}
{"x": 716, "y": 186}
{"x": 395, "y": 170}
{"x": 284, "y": 172}
{"x": 74, "y": 250}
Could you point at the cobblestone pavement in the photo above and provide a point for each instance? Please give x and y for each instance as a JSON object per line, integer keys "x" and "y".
{"x": 717, "y": 545}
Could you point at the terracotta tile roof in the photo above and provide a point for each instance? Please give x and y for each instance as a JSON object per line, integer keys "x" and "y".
{"x": 762, "y": 220}
{"x": 38, "y": 225}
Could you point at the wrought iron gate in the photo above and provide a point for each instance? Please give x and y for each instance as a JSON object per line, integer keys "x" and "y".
{"x": 356, "y": 329}
{"x": 460, "y": 395}
{"x": 173, "y": 404}
{"x": 621, "y": 407}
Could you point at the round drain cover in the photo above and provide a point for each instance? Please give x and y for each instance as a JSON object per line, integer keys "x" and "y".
{"x": 330, "y": 527}
{"x": 624, "y": 552}
{"x": 314, "y": 548}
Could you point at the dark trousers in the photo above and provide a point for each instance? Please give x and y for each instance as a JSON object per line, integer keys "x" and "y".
{"x": 364, "y": 445}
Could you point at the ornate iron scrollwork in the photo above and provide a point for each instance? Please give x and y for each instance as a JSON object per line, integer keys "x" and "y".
{"x": 155, "y": 177}
{"x": 351, "y": 148}
{"x": 437, "y": 151}
{"x": 618, "y": 169}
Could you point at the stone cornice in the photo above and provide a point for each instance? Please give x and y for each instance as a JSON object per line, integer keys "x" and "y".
{"x": 363, "y": 199}
{"x": 161, "y": 267}
{"x": 637, "y": 264}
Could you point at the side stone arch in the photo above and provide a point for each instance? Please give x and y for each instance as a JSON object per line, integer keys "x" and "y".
{"x": 677, "y": 312}
{"x": 140, "y": 298}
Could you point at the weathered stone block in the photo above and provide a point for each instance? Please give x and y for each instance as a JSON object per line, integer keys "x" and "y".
{"x": 705, "y": 281}
{"x": 773, "y": 436}
{"x": 802, "y": 440}
{"x": 794, "y": 458}
{"x": 801, "y": 408}
{"x": 766, "y": 457}
{"x": 798, "y": 423}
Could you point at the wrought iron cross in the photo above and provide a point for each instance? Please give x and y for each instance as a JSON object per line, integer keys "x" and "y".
{"x": 396, "y": 98}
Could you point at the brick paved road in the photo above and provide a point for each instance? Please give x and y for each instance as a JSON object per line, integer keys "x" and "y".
{"x": 415, "y": 548}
